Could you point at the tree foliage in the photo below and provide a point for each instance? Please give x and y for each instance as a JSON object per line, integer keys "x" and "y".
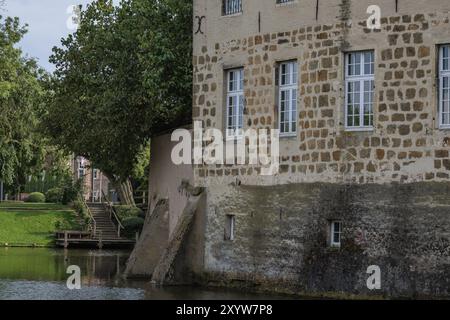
{"x": 21, "y": 148}
{"x": 123, "y": 76}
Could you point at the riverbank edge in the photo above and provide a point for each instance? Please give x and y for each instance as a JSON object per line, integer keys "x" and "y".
{"x": 27, "y": 245}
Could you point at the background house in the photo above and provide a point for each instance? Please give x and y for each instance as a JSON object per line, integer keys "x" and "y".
{"x": 95, "y": 184}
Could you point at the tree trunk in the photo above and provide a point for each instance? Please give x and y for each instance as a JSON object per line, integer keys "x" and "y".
{"x": 125, "y": 191}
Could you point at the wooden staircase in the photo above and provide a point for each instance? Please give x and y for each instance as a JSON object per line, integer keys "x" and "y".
{"x": 102, "y": 231}
{"x": 105, "y": 227}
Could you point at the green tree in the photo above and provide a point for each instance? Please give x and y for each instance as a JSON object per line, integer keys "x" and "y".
{"x": 21, "y": 149}
{"x": 123, "y": 76}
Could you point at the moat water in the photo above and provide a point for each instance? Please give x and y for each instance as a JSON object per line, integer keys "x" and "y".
{"x": 41, "y": 274}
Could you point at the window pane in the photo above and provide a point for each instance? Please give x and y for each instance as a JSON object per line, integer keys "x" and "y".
{"x": 295, "y": 73}
{"x": 284, "y": 74}
{"x": 354, "y": 64}
{"x": 336, "y": 238}
{"x": 445, "y": 103}
{"x": 241, "y": 112}
{"x": 445, "y": 58}
{"x": 368, "y": 103}
{"x": 294, "y": 110}
{"x": 368, "y": 63}
{"x": 230, "y": 117}
{"x": 337, "y": 227}
{"x": 231, "y": 81}
{"x": 353, "y": 104}
{"x": 241, "y": 79}
{"x": 289, "y": 73}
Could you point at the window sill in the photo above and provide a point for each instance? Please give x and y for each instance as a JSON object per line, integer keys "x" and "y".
{"x": 234, "y": 138}
{"x": 233, "y": 15}
{"x": 288, "y": 135}
{"x": 286, "y": 4}
{"x": 446, "y": 127}
{"x": 361, "y": 129}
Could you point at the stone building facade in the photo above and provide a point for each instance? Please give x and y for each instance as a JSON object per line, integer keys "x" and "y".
{"x": 365, "y": 167}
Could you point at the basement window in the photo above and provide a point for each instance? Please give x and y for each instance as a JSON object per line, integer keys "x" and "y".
{"x": 335, "y": 233}
{"x": 359, "y": 90}
{"x": 444, "y": 87}
{"x": 230, "y": 223}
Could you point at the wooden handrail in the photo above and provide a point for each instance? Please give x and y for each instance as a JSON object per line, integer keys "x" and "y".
{"x": 113, "y": 213}
{"x": 91, "y": 217}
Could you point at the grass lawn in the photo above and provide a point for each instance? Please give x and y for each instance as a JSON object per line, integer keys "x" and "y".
{"x": 29, "y": 223}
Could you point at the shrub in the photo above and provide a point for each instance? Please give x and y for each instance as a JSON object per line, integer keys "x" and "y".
{"x": 54, "y": 195}
{"x": 71, "y": 190}
{"x": 36, "y": 197}
{"x": 124, "y": 212}
{"x": 132, "y": 225}
{"x": 80, "y": 209}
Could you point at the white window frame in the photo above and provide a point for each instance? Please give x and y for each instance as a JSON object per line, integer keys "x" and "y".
{"x": 81, "y": 169}
{"x": 235, "y": 131}
{"x": 361, "y": 79}
{"x": 230, "y": 227}
{"x": 443, "y": 74}
{"x": 96, "y": 174}
{"x": 290, "y": 88}
{"x": 231, "y": 7}
{"x": 333, "y": 232}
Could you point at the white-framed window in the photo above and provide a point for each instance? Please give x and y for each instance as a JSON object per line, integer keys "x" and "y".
{"x": 230, "y": 7}
{"x": 81, "y": 168}
{"x": 444, "y": 87}
{"x": 359, "y": 90}
{"x": 96, "y": 175}
{"x": 287, "y": 96}
{"x": 335, "y": 233}
{"x": 235, "y": 103}
{"x": 230, "y": 225}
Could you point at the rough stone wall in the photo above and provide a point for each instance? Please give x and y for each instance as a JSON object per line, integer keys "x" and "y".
{"x": 388, "y": 186}
{"x": 406, "y": 144}
{"x": 282, "y": 232}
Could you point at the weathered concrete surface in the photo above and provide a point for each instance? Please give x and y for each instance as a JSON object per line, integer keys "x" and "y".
{"x": 165, "y": 266}
{"x": 166, "y": 179}
{"x": 151, "y": 244}
{"x": 189, "y": 263}
{"x": 169, "y": 191}
{"x": 282, "y": 232}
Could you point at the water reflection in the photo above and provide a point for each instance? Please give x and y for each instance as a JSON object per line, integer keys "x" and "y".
{"x": 97, "y": 267}
{"x": 34, "y": 274}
